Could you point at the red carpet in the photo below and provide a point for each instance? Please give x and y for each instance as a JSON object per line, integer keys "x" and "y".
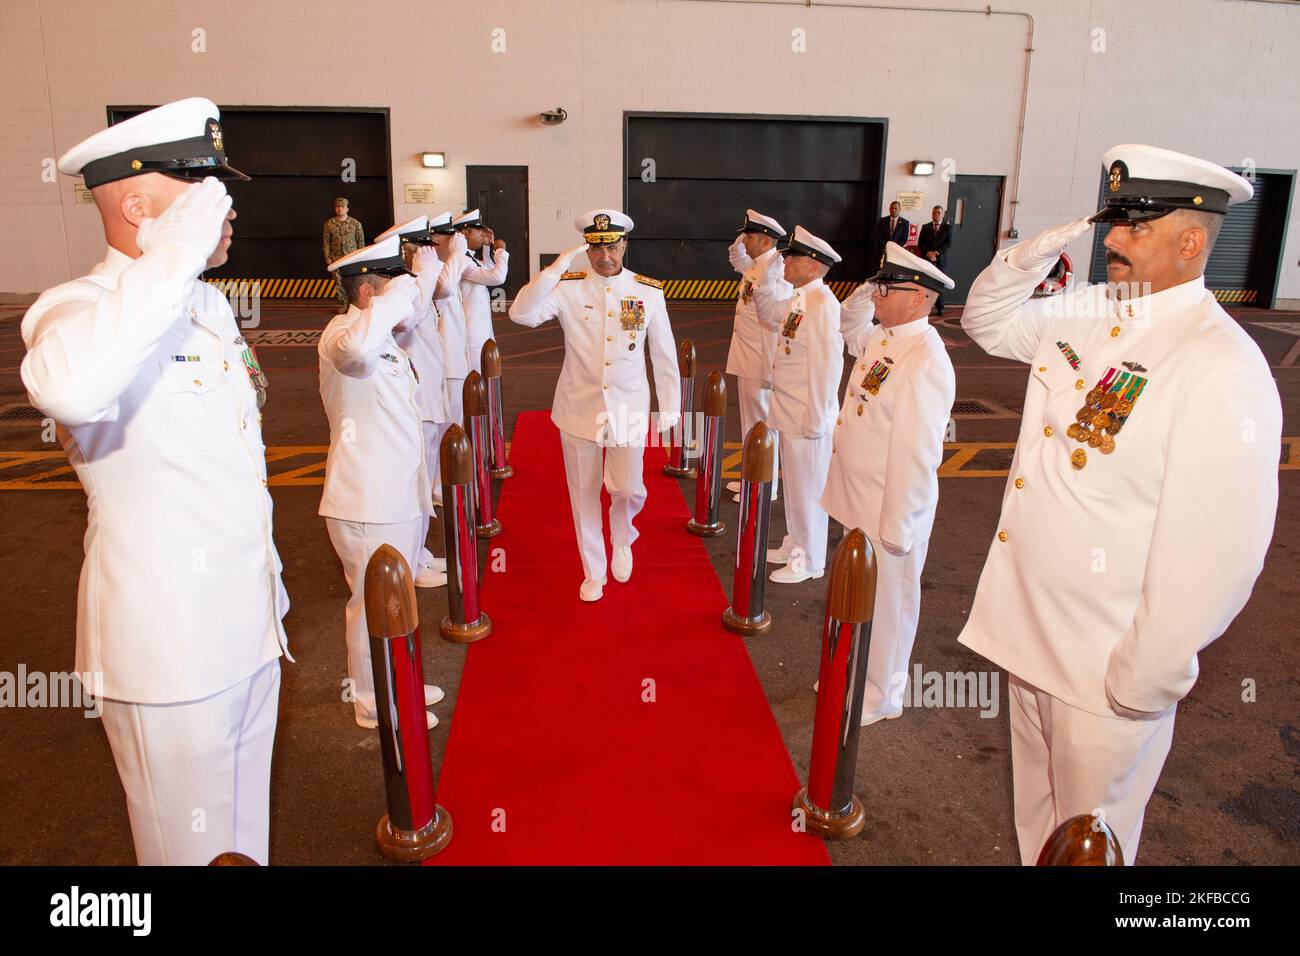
{"x": 553, "y": 757}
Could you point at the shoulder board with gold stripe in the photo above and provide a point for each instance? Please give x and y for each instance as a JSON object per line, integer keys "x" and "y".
{"x": 573, "y": 275}
{"x": 646, "y": 280}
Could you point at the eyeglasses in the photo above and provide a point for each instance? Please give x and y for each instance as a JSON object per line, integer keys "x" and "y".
{"x": 882, "y": 288}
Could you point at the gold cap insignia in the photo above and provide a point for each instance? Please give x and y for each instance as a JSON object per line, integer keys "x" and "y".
{"x": 215, "y": 130}
{"x": 601, "y": 222}
{"x": 1116, "y": 175}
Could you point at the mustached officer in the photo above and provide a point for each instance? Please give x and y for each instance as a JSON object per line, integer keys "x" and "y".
{"x": 376, "y": 483}
{"x": 477, "y": 278}
{"x": 418, "y": 336}
{"x": 1142, "y": 493}
{"x": 806, "y": 370}
{"x": 156, "y": 395}
{"x": 610, "y": 316}
{"x": 887, "y": 450}
{"x": 753, "y": 346}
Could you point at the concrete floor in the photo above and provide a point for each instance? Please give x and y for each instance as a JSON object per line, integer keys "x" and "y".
{"x": 936, "y": 783}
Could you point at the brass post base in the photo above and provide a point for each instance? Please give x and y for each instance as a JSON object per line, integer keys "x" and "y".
{"x": 827, "y": 826}
{"x": 743, "y": 625}
{"x": 672, "y": 471}
{"x": 488, "y": 530}
{"x": 505, "y": 471}
{"x": 412, "y": 846}
{"x": 706, "y": 530}
{"x": 466, "y": 633}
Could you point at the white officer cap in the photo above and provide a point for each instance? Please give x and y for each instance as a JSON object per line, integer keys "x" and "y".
{"x": 603, "y": 227}
{"x": 380, "y": 258}
{"x": 1147, "y": 182}
{"x": 468, "y": 219}
{"x": 442, "y": 225}
{"x": 804, "y": 243}
{"x": 901, "y": 266}
{"x": 757, "y": 222}
{"x": 181, "y": 139}
{"x": 413, "y": 230}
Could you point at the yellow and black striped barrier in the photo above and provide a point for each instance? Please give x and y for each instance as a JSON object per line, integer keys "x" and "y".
{"x": 304, "y": 465}
{"x": 1239, "y": 296}
{"x": 276, "y": 288}
{"x": 729, "y": 288}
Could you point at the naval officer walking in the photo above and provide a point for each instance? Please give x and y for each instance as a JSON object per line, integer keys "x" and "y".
{"x": 157, "y": 396}
{"x": 1142, "y": 493}
{"x": 376, "y": 483}
{"x": 610, "y": 316}
{"x": 753, "y": 346}
{"x": 888, "y": 446}
{"x": 806, "y": 370}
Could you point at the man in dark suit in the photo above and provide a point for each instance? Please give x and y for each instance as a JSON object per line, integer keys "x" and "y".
{"x": 891, "y": 228}
{"x": 935, "y": 238}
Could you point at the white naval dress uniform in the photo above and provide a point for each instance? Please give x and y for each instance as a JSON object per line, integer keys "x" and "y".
{"x": 180, "y": 601}
{"x": 419, "y": 338}
{"x": 806, "y": 370}
{"x": 455, "y": 336}
{"x": 602, "y": 398}
{"x": 1104, "y": 581}
{"x": 883, "y": 479}
{"x": 753, "y": 346}
{"x": 475, "y": 281}
{"x": 376, "y": 484}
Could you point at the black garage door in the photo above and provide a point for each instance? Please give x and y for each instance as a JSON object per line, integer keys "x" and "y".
{"x": 296, "y": 158}
{"x": 1243, "y": 267}
{"x": 824, "y": 173}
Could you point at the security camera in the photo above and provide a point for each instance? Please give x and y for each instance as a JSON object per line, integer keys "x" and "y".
{"x": 554, "y": 117}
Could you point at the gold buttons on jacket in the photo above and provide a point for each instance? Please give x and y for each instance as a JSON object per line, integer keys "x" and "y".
{"x": 604, "y": 386}
{"x": 1114, "y": 333}
{"x": 607, "y": 365}
{"x": 225, "y": 366}
{"x": 1079, "y": 459}
{"x": 609, "y": 338}
{"x": 1042, "y": 368}
{"x": 1078, "y": 383}
{"x": 860, "y": 407}
{"x": 609, "y": 289}
{"x": 1048, "y": 431}
{"x": 610, "y": 314}
{"x": 1020, "y": 482}
{"x": 1002, "y": 536}
{"x": 197, "y": 382}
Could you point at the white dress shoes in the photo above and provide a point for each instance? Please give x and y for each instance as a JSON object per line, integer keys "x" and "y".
{"x": 592, "y": 590}
{"x": 621, "y": 564}
{"x": 787, "y": 575}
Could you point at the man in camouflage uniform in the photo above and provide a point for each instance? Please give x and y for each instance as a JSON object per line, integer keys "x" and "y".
{"x": 342, "y": 235}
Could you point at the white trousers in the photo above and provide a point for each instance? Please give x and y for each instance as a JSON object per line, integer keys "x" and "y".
{"x": 433, "y": 432}
{"x": 1066, "y": 761}
{"x": 587, "y": 466}
{"x": 893, "y": 627}
{"x": 456, "y": 402}
{"x": 807, "y": 462}
{"x": 197, "y": 774}
{"x": 754, "y": 402}
{"x": 355, "y": 542}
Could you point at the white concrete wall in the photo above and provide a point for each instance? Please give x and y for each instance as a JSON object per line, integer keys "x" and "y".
{"x": 1212, "y": 77}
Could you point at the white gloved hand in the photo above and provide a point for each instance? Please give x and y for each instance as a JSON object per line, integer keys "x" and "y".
{"x": 459, "y": 244}
{"x": 738, "y": 247}
{"x": 1042, "y": 251}
{"x": 426, "y": 260}
{"x": 401, "y": 291}
{"x": 668, "y": 421}
{"x": 565, "y": 259}
{"x": 192, "y": 222}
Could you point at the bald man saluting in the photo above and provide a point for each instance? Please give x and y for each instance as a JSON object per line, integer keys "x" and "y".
{"x": 156, "y": 395}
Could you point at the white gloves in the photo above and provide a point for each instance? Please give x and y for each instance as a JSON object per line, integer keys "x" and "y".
{"x": 564, "y": 260}
{"x": 402, "y": 292}
{"x": 459, "y": 244}
{"x": 427, "y": 267}
{"x": 1042, "y": 251}
{"x": 192, "y": 223}
{"x": 668, "y": 421}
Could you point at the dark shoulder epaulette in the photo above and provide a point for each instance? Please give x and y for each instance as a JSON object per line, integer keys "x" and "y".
{"x": 646, "y": 280}
{"x": 573, "y": 275}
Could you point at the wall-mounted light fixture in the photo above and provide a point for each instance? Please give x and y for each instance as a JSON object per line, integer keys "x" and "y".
{"x": 923, "y": 167}
{"x": 434, "y": 160}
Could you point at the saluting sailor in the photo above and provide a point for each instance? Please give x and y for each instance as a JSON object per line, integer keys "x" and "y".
{"x": 806, "y": 370}
{"x": 753, "y": 346}
{"x": 419, "y": 338}
{"x": 888, "y": 446}
{"x": 477, "y": 278}
{"x": 376, "y": 483}
{"x": 451, "y": 246}
{"x": 156, "y": 394}
{"x": 1142, "y": 493}
{"x": 610, "y": 316}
